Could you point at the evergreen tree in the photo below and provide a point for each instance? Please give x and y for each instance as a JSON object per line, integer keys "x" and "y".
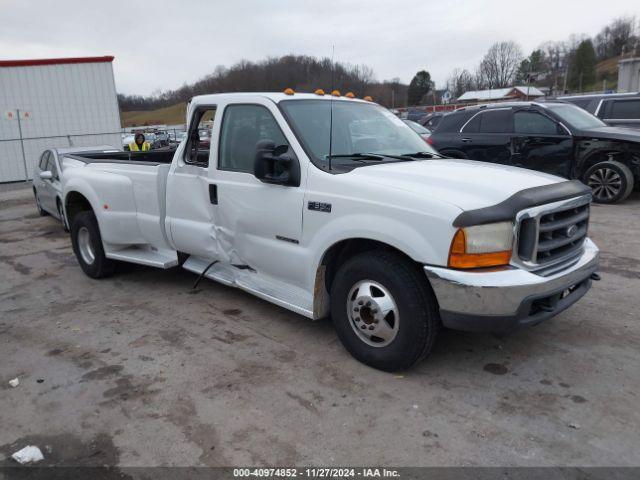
{"x": 420, "y": 85}
{"x": 582, "y": 69}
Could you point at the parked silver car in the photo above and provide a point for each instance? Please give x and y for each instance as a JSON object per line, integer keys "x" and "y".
{"x": 47, "y": 180}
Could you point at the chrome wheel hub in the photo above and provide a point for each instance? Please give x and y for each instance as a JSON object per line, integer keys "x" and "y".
{"x": 85, "y": 247}
{"x": 605, "y": 183}
{"x": 373, "y": 313}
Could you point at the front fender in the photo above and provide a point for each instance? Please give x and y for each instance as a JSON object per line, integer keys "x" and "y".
{"x": 592, "y": 151}
{"x": 425, "y": 245}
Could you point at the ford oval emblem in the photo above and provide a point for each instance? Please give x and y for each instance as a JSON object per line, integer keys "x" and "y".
{"x": 571, "y": 231}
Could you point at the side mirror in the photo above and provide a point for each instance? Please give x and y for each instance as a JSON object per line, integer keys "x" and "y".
{"x": 46, "y": 175}
{"x": 276, "y": 164}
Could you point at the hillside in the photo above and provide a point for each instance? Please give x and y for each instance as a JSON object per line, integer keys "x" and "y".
{"x": 172, "y": 115}
{"x": 607, "y": 69}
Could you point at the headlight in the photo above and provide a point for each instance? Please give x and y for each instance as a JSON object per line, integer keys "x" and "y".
{"x": 482, "y": 246}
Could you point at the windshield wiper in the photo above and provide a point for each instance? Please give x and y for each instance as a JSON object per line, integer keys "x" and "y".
{"x": 359, "y": 156}
{"x": 423, "y": 155}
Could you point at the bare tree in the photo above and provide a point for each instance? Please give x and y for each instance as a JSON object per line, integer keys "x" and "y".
{"x": 460, "y": 81}
{"x": 620, "y": 35}
{"x": 500, "y": 64}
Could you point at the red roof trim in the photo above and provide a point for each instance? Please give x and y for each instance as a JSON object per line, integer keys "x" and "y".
{"x": 54, "y": 61}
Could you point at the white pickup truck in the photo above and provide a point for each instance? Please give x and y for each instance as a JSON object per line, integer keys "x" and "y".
{"x": 332, "y": 206}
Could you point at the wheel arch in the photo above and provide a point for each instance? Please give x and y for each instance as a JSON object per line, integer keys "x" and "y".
{"x": 617, "y": 154}
{"x": 334, "y": 256}
{"x": 74, "y": 203}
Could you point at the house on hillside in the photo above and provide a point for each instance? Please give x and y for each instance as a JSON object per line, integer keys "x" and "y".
{"x": 500, "y": 95}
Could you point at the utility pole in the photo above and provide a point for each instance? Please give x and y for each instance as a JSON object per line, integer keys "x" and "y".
{"x": 24, "y": 158}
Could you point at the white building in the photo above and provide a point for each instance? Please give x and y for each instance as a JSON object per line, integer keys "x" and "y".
{"x": 54, "y": 103}
{"x": 629, "y": 75}
{"x": 501, "y": 94}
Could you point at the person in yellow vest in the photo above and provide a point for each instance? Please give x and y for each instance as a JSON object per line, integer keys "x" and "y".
{"x": 139, "y": 145}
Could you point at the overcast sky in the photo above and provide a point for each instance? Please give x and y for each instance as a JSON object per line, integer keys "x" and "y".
{"x": 162, "y": 44}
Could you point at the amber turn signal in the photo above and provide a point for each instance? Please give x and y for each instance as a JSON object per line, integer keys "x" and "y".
{"x": 289, "y": 91}
{"x": 335, "y": 93}
{"x": 459, "y": 258}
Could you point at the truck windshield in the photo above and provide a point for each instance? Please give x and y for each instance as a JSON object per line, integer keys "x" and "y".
{"x": 358, "y": 128}
{"x": 575, "y": 116}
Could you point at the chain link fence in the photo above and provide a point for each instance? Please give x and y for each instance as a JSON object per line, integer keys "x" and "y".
{"x": 18, "y": 156}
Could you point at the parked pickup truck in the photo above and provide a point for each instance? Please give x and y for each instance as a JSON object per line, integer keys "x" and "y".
{"x": 331, "y": 206}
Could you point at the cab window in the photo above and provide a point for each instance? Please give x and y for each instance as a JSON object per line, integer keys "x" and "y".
{"x": 243, "y": 126}
{"x": 197, "y": 150}
{"x": 534, "y": 123}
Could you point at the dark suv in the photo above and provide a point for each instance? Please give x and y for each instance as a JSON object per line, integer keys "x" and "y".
{"x": 617, "y": 109}
{"x": 552, "y": 137}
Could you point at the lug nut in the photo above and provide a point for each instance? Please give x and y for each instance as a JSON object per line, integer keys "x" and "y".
{"x": 357, "y": 319}
{"x": 360, "y": 302}
{"x": 363, "y": 327}
{"x": 371, "y": 327}
{"x": 356, "y": 309}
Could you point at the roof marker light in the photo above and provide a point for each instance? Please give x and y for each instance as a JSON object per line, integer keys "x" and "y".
{"x": 319, "y": 92}
{"x": 350, "y": 95}
{"x": 335, "y": 93}
{"x": 289, "y": 91}
{"x": 368, "y": 98}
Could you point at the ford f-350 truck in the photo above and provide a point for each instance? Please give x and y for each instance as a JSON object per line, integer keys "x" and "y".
{"x": 332, "y": 206}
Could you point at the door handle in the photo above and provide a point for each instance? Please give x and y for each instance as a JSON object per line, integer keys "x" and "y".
{"x": 465, "y": 139}
{"x": 213, "y": 194}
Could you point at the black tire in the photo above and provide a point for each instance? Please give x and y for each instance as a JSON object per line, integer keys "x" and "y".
{"x": 101, "y": 266}
{"x": 418, "y": 322}
{"x": 63, "y": 220}
{"x": 41, "y": 211}
{"x": 610, "y": 181}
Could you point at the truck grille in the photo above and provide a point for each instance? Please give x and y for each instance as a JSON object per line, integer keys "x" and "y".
{"x": 551, "y": 237}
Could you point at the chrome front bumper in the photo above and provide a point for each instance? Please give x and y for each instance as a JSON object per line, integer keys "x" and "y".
{"x": 506, "y": 299}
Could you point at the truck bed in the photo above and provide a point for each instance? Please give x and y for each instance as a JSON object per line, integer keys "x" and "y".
{"x": 154, "y": 157}
{"x": 127, "y": 191}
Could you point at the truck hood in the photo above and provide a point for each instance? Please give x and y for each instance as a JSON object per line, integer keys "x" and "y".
{"x": 466, "y": 184}
{"x": 612, "y": 133}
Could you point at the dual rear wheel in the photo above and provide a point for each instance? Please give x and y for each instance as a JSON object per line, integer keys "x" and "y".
{"x": 87, "y": 246}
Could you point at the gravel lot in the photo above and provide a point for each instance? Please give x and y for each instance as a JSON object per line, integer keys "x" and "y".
{"x": 139, "y": 370}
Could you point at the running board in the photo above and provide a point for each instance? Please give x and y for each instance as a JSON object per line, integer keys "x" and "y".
{"x": 144, "y": 255}
{"x": 286, "y": 296}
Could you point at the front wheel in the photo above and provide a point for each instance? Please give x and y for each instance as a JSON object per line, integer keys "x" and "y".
{"x": 87, "y": 245}
{"x": 610, "y": 181}
{"x": 384, "y": 311}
